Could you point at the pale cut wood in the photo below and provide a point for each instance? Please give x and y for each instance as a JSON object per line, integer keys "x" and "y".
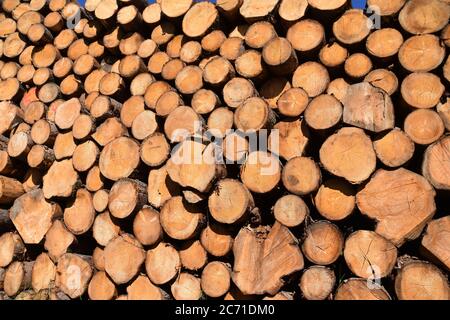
{"x": 323, "y": 243}
{"x": 216, "y": 239}
{"x": 422, "y": 90}
{"x": 254, "y": 10}
{"x": 10, "y": 190}
{"x": 290, "y": 210}
{"x": 11, "y": 247}
{"x": 143, "y": 289}
{"x": 160, "y": 187}
{"x": 180, "y": 220}
{"x": 435, "y": 164}
{"x": 424, "y": 126}
{"x": 435, "y": 241}
{"x": 43, "y": 273}
{"x": 408, "y": 194}
{"x": 17, "y": 277}
{"x": 192, "y": 255}
{"x": 358, "y": 289}
{"x": 352, "y": 27}
{"x": 301, "y": 176}
{"x": 186, "y": 287}
{"x": 124, "y": 256}
{"x": 261, "y": 172}
{"x": 199, "y": 18}
{"x": 162, "y": 263}
{"x": 421, "y": 53}
{"x": 383, "y": 79}
{"x": 112, "y": 157}
{"x": 394, "y": 148}
{"x": 420, "y": 17}
{"x": 253, "y": 271}
{"x": 73, "y": 273}
{"x": 33, "y": 215}
{"x": 369, "y": 255}
{"x": 420, "y": 280}
{"x": 79, "y": 215}
{"x": 323, "y": 112}
{"x": 53, "y": 186}
{"x": 101, "y": 287}
{"x": 356, "y": 160}
{"x": 147, "y": 227}
{"x": 317, "y": 283}
{"x": 216, "y": 279}
{"x": 58, "y": 240}
{"x": 126, "y": 196}
{"x": 230, "y": 201}
{"x": 312, "y": 77}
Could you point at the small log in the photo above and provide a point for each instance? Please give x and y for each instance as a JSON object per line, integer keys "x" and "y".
{"x": 11, "y": 247}
{"x": 40, "y": 157}
{"x": 212, "y": 41}
{"x": 424, "y": 126}
{"x": 10, "y": 190}
{"x": 323, "y": 243}
{"x": 216, "y": 239}
{"x": 317, "y": 283}
{"x": 255, "y": 272}
{"x": 119, "y": 269}
{"x": 407, "y": 194}
{"x": 58, "y": 240}
{"x": 359, "y": 289}
{"x": 192, "y": 255}
{"x": 420, "y": 17}
{"x": 186, "y": 287}
{"x": 162, "y": 263}
{"x": 230, "y": 201}
{"x": 352, "y": 27}
{"x": 383, "y": 79}
{"x": 193, "y": 164}
{"x": 180, "y": 220}
{"x": 311, "y": 77}
{"x": 335, "y": 199}
{"x": 435, "y": 241}
{"x": 43, "y": 274}
{"x": 143, "y": 289}
{"x": 109, "y": 131}
{"x": 32, "y": 216}
{"x": 155, "y": 150}
{"x": 112, "y": 157}
{"x": 85, "y": 156}
{"x": 290, "y": 210}
{"x": 64, "y": 145}
{"x": 261, "y": 172}
{"x": 98, "y": 258}
{"x": 17, "y": 277}
{"x": 100, "y": 200}
{"x": 435, "y": 164}
{"x": 199, "y": 19}
{"x": 144, "y": 125}
{"x": 368, "y": 107}
{"x": 369, "y": 255}
{"x": 394, "y": 148}
{"x": 160, "y": 187}
{"x": 79, "y": 215}
{"x": 101, "y": 287}
{"x": 147, "y": 227}
{"x": 306, "y": 36}
{"x": 237, "y": 90}
{"x": 232, "y": 48}
{"x": 54, "y": 186}
{"x": 250, "y": 65}
{"x": 356, "y": 160}
{"x": 421, "y": 53}
{"x": 126, "y": 196}
{"x": 220, "y": 121}
{"x": 301, "y": 176}
{"x": 83, "y": 127}
{"x": 253, "y": 114}
{"x": 216, "y": 279}
{"x": 73, "y": 273}
{"x": 357, "y": 65}
{"x": 422, "y": 90}
{"x": 420, "y": 280}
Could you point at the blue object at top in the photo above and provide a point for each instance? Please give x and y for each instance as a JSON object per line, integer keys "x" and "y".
{"x": 359, "y": 4}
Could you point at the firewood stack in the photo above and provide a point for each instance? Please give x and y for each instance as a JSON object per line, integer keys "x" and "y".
{"x": 128, "y": 168}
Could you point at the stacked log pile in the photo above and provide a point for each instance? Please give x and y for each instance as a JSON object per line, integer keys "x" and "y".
{"x": 129, "y": 168}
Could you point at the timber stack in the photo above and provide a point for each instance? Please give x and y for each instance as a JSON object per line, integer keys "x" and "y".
{"x": 241, "y": 149}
